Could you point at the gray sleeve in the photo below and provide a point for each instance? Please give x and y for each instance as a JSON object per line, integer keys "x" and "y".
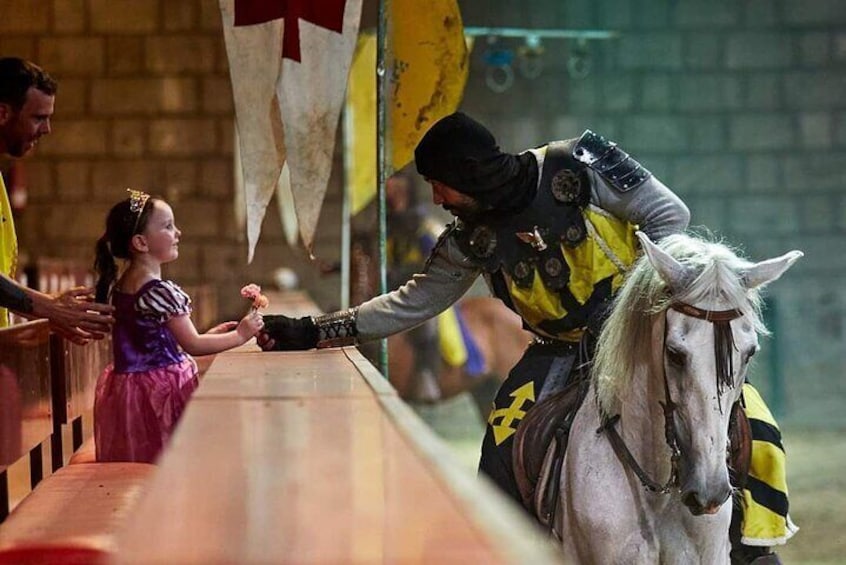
{"x": 652, "y": 206}
{"x": 447, "y": 277}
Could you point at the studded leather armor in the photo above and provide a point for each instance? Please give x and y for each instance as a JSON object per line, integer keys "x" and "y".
{"x": 530, "y": 256}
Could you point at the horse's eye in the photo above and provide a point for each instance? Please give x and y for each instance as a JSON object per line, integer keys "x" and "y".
{"x": 676, "y": 358}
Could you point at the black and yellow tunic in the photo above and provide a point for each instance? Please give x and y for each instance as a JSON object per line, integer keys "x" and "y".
{"x": 555, "y": 263}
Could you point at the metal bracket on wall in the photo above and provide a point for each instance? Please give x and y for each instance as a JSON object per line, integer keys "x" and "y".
{"x": 499, "y": 58}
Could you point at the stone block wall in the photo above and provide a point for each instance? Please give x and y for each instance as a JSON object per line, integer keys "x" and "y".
{"x": 737, "y": 106}
{"x": 145, "y": 102}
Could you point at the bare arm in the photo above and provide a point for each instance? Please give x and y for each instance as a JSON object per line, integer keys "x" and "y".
{"x": 72, "y": 313}
{"x": 206, "y": 344}
{"x": 14, "y": 296}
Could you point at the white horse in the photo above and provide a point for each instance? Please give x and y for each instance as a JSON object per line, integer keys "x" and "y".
{"x": 645, "y": 478}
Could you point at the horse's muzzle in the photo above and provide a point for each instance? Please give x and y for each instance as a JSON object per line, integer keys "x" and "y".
{"x": 698, "y": 508}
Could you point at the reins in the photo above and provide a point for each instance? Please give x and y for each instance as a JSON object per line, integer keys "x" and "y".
{"x": 723, "y": 342}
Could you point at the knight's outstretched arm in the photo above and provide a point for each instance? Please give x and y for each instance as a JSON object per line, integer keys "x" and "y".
{"x": 448, "y": 274}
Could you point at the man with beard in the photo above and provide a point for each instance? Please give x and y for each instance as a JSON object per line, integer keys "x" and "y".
{"x": 552, "y": 230}
{"x": 27, "y": 96}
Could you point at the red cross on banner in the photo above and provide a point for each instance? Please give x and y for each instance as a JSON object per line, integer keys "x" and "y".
{"x": 328, "y": 14}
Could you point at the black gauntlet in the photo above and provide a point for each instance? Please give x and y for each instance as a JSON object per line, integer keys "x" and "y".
{"x": 328, "y": 330}
{"x": 291, "y": 334}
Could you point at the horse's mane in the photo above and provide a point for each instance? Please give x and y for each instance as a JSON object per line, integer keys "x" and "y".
{"x": 625, "y": 343}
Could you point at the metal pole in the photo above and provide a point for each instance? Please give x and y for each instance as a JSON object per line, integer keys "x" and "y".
{"x": 381, "y": 159}
{"x": 542, "y": 33}
{"x": 346, "y": 214}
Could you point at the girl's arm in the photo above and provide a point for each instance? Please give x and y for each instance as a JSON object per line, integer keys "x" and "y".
{"x": 195, "y": 343}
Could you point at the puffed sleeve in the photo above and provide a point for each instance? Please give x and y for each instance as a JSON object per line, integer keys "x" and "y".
{"x": 162, "y": 300}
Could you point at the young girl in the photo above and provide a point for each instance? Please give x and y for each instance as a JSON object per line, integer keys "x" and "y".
{"x": 141, "y": 396}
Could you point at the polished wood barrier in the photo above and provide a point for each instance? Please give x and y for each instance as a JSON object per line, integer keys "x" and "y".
{"x": 75, "y": 369}
{"x": 47, "y": 387}
{"x": 291, "y": 457}
{"x": 25, "y": 404}
{"x": 25, "y": 390}
{"x": 80, "y": 505}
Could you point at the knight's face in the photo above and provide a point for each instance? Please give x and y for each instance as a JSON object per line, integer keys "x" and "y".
{"x": 454, "y": 202}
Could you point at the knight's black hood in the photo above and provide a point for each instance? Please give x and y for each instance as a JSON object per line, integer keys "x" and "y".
{"x": 461, "y": 153}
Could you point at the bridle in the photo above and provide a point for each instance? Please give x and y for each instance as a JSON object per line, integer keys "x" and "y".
{"x": 723, "y": 341}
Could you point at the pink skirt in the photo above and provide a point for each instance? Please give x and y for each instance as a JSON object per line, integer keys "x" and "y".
{"x": 135, "y": 413}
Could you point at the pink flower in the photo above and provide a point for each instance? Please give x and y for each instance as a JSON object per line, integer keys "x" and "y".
{"x": 253, "y": 292}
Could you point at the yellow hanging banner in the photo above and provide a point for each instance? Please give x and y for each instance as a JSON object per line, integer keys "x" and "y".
{"x": 429, "y": 64}
{"x": 360, "y": 124}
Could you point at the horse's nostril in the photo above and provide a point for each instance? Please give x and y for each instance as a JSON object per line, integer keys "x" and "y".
{"x": 697, "y": 508}
{"x": 692, "y": 502}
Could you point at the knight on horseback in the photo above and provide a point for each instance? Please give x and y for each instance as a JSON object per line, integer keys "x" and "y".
{"x": 552, "y": 230}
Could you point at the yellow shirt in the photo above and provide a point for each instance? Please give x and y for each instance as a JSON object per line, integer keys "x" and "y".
{"x": 8, "y": 244}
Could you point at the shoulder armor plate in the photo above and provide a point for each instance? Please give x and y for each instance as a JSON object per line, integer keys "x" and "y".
{"x": 614, "y": 164}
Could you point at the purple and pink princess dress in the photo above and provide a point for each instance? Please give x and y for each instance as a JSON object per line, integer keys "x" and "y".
{"x": 141, "y": 396}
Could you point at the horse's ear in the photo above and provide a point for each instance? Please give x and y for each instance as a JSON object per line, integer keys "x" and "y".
{"x": 671, "y": 271}
{"x": 767, "y": 271}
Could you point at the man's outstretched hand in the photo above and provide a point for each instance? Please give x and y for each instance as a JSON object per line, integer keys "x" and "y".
{"x": 74, "y": 314}
{"x": 282, "y": 333}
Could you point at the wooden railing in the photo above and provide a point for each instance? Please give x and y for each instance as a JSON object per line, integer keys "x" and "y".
{"x": 280, "y": 457}
{"x": 25, "y": 401}
{"x": 47, "y": 390}
{"x": 290, "y": 457}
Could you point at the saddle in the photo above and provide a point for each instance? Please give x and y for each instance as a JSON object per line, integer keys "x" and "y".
{"x": 541, "y": 441}
{"x": 539, "y": 446}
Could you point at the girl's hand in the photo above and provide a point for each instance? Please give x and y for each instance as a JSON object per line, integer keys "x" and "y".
{"x": 223, "y": 328}
{"x": 250, "y": 325}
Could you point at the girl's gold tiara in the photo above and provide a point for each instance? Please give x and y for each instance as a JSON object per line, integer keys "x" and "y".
{"x": 137, "y": 200}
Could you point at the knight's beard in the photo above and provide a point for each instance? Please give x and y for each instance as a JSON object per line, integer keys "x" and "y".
{"x": 465, "y": 213}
